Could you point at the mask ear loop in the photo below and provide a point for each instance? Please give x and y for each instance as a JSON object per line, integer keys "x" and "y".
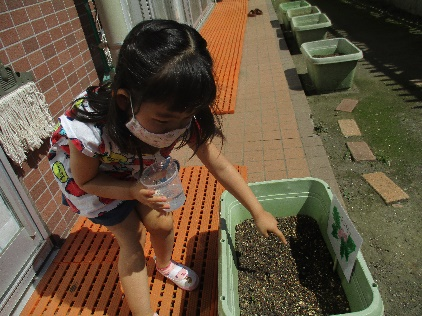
{"x": 131, "y": 107}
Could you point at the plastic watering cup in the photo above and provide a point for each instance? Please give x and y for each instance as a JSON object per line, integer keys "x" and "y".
{"x": 163, "y": 177}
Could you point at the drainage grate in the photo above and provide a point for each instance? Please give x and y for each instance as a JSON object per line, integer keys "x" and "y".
{"x": 83, "y": 278}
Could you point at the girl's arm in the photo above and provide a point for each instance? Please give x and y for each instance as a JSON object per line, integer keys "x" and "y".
{"x": 228, "y": 176}
{"x": 88, "y": 178}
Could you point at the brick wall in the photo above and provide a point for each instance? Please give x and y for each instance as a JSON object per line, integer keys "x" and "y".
{"x": 49, "y": 39}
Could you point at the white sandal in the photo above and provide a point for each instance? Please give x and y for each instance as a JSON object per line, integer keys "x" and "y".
{"x": 188, "y": 283}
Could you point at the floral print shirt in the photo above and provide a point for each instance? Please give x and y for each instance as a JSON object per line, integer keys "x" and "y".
{"x": 93, "y": 141}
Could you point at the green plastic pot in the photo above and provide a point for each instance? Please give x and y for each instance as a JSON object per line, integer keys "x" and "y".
{"x": 284, "y": 7}
{"x": 335, "y": 72}
{"x": 276, "y": 3}
{"x": 306, "y": 196}
{"x": 311, "y": 27}
{"x": 301, "y": 11}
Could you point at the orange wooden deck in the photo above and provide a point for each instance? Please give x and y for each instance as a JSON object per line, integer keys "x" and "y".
{"x": 224, "y": 31}
{"x": 83, "y": 278}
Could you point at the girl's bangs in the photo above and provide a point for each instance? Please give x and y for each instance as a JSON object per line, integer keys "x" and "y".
{"x": 184, "y": 87}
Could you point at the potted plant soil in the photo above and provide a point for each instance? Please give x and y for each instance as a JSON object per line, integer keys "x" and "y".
{"x": 300, "y": 203}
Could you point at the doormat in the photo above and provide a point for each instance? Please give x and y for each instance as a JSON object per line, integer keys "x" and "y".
{"x": 83, "y": 277}
{"x": 224, "y": 31}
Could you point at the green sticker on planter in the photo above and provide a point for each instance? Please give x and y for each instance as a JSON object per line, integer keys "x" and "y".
{"x": 344, "y": 237}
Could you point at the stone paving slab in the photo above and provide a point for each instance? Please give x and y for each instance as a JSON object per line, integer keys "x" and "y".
{"x": 347, "y": 105}
{"x": 349, "y": 127}
{"x": 385, "y": 187}
{"x": 361, "y": 151}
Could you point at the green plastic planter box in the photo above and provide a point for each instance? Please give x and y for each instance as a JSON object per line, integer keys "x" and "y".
{"x": 284, "y": 7}
{"x": 311, "y": 27}
{"x": 335, "y": 72}
{"x": 306, "y": 196}
{"x": 301, "y": 11}
{"x": 276, "y": 3}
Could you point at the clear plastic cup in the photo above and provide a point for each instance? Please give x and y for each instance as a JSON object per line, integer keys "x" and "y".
{"x": 163, "y": 177}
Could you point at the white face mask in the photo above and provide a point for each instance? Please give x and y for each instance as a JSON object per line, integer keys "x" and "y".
{"x": 152, "y": 139}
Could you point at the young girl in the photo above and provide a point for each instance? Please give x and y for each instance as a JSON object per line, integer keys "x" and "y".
{"x": 161, "y": 97}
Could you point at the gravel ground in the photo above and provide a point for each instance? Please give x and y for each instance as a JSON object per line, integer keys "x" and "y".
{"x": 388, "y": 87}
{"x": 296, "y": 279}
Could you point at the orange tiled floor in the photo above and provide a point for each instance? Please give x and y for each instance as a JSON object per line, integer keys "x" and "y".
{"x": 270, "y": 132}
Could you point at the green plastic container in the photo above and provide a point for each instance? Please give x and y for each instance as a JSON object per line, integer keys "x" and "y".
{"x": 284, "y": 7}
{"x": 311, "y": 27}
{"x": 301, "y": 11}
{"x": 335, "y": 72}
{"x": 276, "y": 3}
{"x": 307, "y": 196}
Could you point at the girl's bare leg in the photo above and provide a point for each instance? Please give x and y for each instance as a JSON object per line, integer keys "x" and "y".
{"x": 130, "y": 235}
{"x": 160, "y": 227}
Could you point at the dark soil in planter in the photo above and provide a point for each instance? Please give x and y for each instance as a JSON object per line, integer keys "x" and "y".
{"x": 296, "y": 279}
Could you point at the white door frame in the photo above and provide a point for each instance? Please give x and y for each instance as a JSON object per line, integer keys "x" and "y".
{"x": 24, "y": 256}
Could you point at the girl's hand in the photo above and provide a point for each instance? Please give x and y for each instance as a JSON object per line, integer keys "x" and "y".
{"x": 230, "y": 178}
{"x": 147, "y": 197}
{"x": 266, "y": 223}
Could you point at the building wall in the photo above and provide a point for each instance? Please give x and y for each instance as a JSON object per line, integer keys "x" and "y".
{"x": 49, "y": 39}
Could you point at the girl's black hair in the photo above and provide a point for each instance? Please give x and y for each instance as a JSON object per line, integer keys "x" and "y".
{"x": 160, "y": 61}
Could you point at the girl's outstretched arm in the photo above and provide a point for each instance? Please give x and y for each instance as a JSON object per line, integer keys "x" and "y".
{"x": 228, "y": 176}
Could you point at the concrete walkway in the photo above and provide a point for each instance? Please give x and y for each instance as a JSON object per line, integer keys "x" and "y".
{"x": 271, "y": 131}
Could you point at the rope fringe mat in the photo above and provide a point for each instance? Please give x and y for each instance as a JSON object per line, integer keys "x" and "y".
{"x": 83, "y": 278}
{"x": 24, "y": 121}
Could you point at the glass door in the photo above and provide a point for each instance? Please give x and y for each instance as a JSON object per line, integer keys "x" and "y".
{"x": 9, "y": 226}
{"x": 196, "y": 11}
{"x": 23, "y": 240}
